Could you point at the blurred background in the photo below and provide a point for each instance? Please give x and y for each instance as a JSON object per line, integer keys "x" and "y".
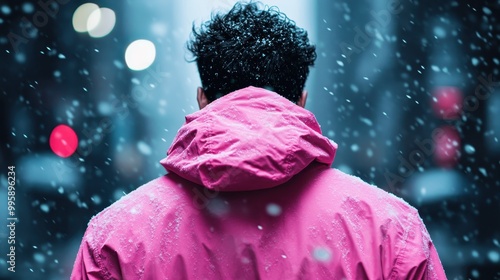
{"x": 410, "y": 90}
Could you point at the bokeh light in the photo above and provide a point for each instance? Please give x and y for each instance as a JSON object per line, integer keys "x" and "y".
{"x": 81, "y": 16}
{"x": 140, "y": 54}
{"x": 63, "y": 141}
{"x": 447, "y": 102}
{"x": 447, "y": 146}
{"x": 101, "y": 22}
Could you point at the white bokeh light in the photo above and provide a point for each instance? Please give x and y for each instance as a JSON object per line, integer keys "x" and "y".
{"x": 93, "y": 19}
{"x": 101, "y": 22}
{"x": 81, "y": 16}
{"x": 140, "y": 54}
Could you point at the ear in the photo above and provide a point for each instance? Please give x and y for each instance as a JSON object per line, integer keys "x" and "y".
{"x": 202, "y": 98}
{"x": 302, "y": 99}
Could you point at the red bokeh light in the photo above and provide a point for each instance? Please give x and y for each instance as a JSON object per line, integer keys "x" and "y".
{"x": 63, "y": 141}
{"x": 447, "y": 102}
{"x": 447, "y": 146}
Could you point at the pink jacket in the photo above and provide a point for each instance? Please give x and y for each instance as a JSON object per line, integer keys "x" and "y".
{"x": 250, "y": 194}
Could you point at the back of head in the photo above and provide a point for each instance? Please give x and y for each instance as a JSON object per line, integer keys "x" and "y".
{"x": 252, "y": 46}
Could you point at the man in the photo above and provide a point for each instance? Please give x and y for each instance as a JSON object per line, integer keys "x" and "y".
{"x": 249, "y": 192}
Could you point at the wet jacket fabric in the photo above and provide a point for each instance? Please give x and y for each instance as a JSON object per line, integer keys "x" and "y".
{"x": 250, "y": 194}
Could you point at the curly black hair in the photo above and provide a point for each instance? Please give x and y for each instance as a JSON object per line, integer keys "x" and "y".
{"x": 250, "y": 46}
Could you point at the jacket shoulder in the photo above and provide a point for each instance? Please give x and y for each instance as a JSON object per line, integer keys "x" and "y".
{"x": 379, "y": 223}
{"x": 151, "y": 197}
{"x": 349, "y": 187}
{"x": 120, "y": 234}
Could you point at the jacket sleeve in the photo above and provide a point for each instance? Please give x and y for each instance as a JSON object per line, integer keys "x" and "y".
{"x": 94, "y": 261}
{"x": 417, "y": 258}
{"x": 86, "y": 266}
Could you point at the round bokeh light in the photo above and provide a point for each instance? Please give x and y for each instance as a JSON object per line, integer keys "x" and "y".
{"x": 101, "y": 22}
{"x": 447, "y": 145}
{"x": 140, "y": 54}
{"x": 63, "y": 141}
{"x": 447, "y": 102}
{"x": 81, "y": 16}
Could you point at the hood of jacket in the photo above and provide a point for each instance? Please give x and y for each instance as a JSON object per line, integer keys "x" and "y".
{"x": 249, "y": 139}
